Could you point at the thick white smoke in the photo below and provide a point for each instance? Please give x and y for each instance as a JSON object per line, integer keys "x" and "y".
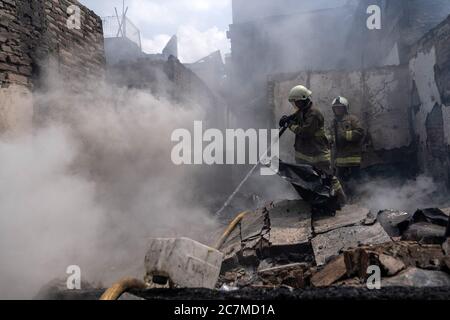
{"x": 91, "y": 185}
{"x": 402, "y": 195}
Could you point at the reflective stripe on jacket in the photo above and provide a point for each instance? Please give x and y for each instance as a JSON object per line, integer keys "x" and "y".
{"x": 348, "y": 135}
{"x": 326, "y": 157}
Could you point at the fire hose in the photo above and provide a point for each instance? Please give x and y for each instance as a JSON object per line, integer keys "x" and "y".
{"x": 249, "y": 174}
{"x": 119, "y": 288}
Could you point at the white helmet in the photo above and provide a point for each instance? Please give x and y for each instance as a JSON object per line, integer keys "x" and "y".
{"x": 299, "y": 93}
{"x": 341, "y": 101}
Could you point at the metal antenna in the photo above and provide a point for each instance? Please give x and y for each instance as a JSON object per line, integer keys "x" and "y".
{"x": 122, "y": 22}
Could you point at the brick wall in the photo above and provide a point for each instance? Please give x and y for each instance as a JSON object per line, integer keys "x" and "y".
{"x": 17, "y": 26}
{"x": 79, "y": 53}
{"x": 35, "y": 40}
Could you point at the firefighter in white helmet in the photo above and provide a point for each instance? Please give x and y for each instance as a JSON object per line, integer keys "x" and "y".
{"x": 312, "y": 145}
{"x": 348, "y": 135}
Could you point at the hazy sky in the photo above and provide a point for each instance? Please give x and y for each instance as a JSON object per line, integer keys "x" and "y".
{"x": 201, "y": 25}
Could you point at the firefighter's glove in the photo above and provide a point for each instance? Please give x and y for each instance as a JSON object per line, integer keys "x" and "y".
{"x": 286, "y": 121}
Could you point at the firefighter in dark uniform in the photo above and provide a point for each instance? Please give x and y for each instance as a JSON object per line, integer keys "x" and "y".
{"x": 312, "y": 146}
{"x": 348, "y": 136}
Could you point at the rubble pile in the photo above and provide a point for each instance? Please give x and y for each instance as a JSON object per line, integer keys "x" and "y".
{"x": 282, "y": 245}
{"x": 283, "y": 251}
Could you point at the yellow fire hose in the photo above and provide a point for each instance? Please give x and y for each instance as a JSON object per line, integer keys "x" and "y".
{"x": 126, "y": 284}
{"x": 121, "y": 287}
{"x": 230, "y": 229}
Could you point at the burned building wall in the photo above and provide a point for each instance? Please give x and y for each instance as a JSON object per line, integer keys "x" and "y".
{"x": 34, "y": 39}
{"x": 405, "y": 108}
{"x": 430, "y": 73}
{"x": 266, "y": 42}
{"x": 379, "y": 97}
{"x": 274, "y": 37}
{"x": 403, "y": 23}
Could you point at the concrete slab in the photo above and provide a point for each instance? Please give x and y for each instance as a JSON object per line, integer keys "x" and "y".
{"x": 290, "y": 223}
{"x": 332, "y": 243}
{"x": 350, "y": 215}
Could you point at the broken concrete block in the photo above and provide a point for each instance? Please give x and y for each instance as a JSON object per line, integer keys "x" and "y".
{"x": 331, "y": 273}
{"x": 332, "y": 243}
{"x": 394, "y": 222}
{"x": 350, "y": 215}
{"x": 185, "y": 262}
{"x": 414, "y": 277}
{"x": 431, "y": 215}
{"x": 288, "y": 236}
{"x": 425, "y": 232}
{"x": 371, "y": 219}
{"x": 290, "y": 223}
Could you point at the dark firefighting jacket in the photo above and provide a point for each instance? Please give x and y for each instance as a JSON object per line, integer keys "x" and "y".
{"x": 311, "y": 142}
{"x": 348, "y": 135}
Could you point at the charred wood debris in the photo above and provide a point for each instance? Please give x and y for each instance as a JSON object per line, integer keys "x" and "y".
{"x": 297, "y": 251}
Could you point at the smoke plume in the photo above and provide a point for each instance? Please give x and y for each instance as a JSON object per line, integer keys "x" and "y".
{"x": 91, "y": 184}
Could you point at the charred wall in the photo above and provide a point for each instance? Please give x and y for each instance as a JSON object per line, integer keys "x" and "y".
{"x": 266, "y": 42}
{"x": 34, "y": 39}
{"x": 379, "y": 97}
{"x": 405, "y": 108}
{"x": 430, "y": 72}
